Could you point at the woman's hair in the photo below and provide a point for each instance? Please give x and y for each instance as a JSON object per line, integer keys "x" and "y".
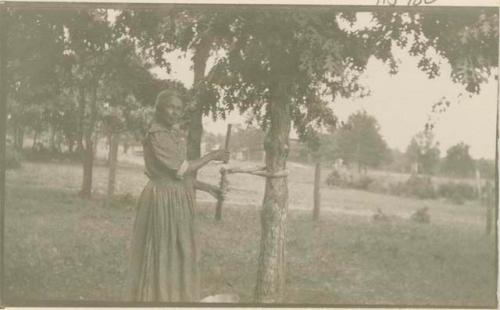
{"x": 164, "y": 98}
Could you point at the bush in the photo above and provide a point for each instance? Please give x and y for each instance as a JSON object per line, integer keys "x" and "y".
{"x": 362, "y": 183}
{"x": 334, "y": 179}
{"x": 12, "y": 158}
{"x": 348, "y": 181}
{"x": 378, "y": 186}
{"x": 415, "y": 186}
{"x": 337, "y": 179}
{"x": 457, "y": 192}
{"x": 421, "y": 216}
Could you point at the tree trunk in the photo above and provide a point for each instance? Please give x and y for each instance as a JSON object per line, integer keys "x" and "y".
{"x": 3, "y": 134}
{"x": 18, "y": 137}
{"x": 271, "y": 269}
{"x": 317, "y": 194}
{"x": 200, "y": 58}
{"x": 21, "y": 138}
{"x": 52, "y": 139}
{"x": 113, "y": 161}
{"x": 88, "y": 155}
{"x": 35, "y": 139}
{"x": 195, "y": 131}
{"x": 478, "y": 184}
{"x": 81, "y": 119}
{"x": 109, "y": 141}
{"x": 220, "y": 200}
{"x": 88, "y": 163}
{"x": 59, "y": 141}
{"x": 71, "y": 144}
{"x": 125, "y": 147}
{"x": 96, "y": 142}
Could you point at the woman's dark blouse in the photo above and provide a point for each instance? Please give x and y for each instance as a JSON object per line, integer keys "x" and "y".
{"x": 165, "y": 153}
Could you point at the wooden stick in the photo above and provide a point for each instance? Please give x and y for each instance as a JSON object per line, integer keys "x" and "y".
{"x": 245, "y": 170}
{"x": 228, "y": 137}
{"x": 260, "y": 171}
{"x": 223, "y": 179}
{"x": 316, "y": 191}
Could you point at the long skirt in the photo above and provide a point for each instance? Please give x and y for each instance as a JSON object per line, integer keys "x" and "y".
{"x": 164, "y": 261}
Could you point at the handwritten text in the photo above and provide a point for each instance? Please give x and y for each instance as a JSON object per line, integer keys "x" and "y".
{"x": 405, "y": 2}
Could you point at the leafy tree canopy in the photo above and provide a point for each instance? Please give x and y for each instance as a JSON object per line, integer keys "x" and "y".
{"x": 458, "y": 161}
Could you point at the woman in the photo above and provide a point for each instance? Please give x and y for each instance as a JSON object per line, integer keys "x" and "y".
{"x": 164, "y": 257}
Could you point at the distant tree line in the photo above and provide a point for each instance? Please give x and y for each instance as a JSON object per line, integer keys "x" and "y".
{"x": 358, "y": 143}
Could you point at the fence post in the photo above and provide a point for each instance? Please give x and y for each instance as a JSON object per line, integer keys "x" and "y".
{"x": 317, "y": 193}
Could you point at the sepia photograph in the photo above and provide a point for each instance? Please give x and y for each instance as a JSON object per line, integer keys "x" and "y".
{"x": 235, "y": 155}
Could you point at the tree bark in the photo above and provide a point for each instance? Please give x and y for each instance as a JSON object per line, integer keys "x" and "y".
{"x": 21, "y": 138}
{"x": 200, "y": 58}
{"x": 195, "y": 130}
{"x": 18, "y": 137}
{"x": 35, "y": 139}
{"x": 220, "y": 200}
{"x": 81, "y": 119}
{"x": 96, "y": 141}
{"x": 113, "y": 161}
{"x": 88, "y": 153}
{"x": 317, "y": 193}
{"x": 109, "y": 138}
{"x": 3, "y": 133}
{"x": 271, "y": 269}
{"x": 125, "y": 147}
{"x": 71, "y": 144}
{"x": 52, "y": 139}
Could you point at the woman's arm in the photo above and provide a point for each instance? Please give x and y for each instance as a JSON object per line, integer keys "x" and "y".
{"x": 196, "y": 164}
{"x": 164, "y": 149}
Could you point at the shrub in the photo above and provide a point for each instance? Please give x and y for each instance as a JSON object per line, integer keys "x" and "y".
{"x": 337, "y": 179}
{"x": 362, "y": 183}
{"x": 333, "y": 178}
{"x": 421, "y": 216}
{"x": 380, "y": 216}
{"x": 378, "y": 186}
{"x": 348, "y": 181}
{"x": 415, "y": 186}
{"x": 457, "y": 192}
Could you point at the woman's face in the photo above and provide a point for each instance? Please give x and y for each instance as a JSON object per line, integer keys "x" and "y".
{"x": 173, "y": 111}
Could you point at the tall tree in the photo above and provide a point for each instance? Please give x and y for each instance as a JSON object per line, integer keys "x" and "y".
{"x": 424, "y": 151}
{"x": 283, "y": 62}
{"x": 458, "y": 161}
{"x": 34, "y": 65}
{"x": 86, "y": 35}
{"x": 359, "y": 141}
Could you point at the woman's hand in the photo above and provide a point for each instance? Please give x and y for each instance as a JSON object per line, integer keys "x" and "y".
{"x": 221, "y": 155}
{"x": 196, "y": 164}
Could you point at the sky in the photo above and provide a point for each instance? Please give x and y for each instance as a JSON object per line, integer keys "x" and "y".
{"x": 401, "y": 103}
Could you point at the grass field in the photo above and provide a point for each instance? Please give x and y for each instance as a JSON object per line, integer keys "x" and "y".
{"x": 59, "y": 247}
